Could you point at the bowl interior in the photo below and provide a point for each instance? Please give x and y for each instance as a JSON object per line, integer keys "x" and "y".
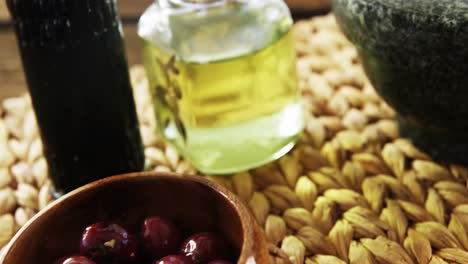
{"x": 193, "y": 206}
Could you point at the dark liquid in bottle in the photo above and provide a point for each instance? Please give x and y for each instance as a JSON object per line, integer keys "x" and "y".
{"x": 75, "y": 65}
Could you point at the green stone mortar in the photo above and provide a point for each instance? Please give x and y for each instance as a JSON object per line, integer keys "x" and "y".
{"x": 415, "y": 53}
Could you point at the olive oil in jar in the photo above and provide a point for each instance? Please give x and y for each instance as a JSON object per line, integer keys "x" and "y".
{"x": 227, "y": 113}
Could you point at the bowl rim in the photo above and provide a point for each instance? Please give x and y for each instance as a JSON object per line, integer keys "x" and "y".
{"x": 248, "y": 224}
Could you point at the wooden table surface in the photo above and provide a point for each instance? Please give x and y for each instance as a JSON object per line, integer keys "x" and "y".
{"x": 12, "y": 81}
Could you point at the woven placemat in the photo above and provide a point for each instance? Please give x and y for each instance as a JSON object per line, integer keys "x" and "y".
{"x": 351, "y": 190}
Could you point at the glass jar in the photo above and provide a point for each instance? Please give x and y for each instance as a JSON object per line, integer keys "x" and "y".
{"x": 223, "y": 78}
{"x": 76, "y": 69}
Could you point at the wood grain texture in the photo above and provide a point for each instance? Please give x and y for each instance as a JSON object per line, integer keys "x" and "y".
{"x": 11, "y": 73}
{"x": 3, "y": 11}
{"x": 308, "y": 5}
{"x": 133, "y": 8}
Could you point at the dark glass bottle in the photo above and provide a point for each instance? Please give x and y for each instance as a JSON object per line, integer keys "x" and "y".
{"x": 76, "y": 69}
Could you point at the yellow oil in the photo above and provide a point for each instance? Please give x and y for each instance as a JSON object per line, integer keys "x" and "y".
{"x": 232, "y": 114}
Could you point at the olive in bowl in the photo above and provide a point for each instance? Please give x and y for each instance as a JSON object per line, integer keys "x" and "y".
{"x": 160, "y": 243}
{"x": 193, "y": 204}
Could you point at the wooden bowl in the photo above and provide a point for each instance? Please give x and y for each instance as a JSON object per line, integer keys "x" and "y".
{"x": 193, "y": 203}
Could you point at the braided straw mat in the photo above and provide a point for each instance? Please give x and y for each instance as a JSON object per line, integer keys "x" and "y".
{"x": 351, "y": 191}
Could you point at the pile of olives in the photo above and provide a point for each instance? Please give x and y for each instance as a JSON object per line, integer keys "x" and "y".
{"x": 159, "y": 242}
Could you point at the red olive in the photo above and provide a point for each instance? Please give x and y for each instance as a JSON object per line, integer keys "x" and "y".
{"x": 160, "y": 237}
{"x": 219, "y": 261}
{"x": 174, "y": 259}
{"x": 75, "y": 260}
{"x": 204, "y": 247}
{"x": 109, "y": 242}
